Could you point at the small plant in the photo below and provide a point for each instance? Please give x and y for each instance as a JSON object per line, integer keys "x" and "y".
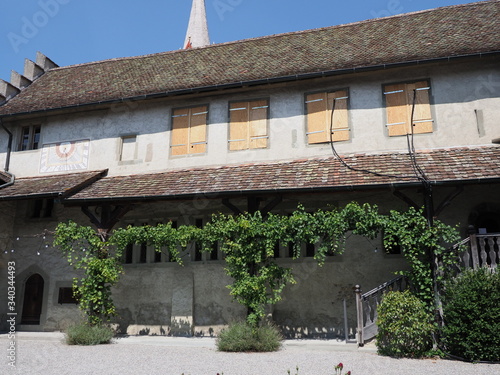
{"x": 405, "y": 327}
{"x": 242, "y": 337}
{"x": 85, "y": 334}
{"x": 338, "y": 370}
{"x": 472, "y": 315}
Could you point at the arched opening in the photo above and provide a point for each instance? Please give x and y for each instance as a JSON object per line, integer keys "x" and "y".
{"x": 33, "y": 298}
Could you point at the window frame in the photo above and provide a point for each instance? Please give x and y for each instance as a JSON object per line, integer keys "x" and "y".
{"x": 189, "y": 147}
{"x": 341, "y": 132}
{"x": 394, "y": 125}
{"x": 246, "y": 142}
{"x": 32, "y": 140}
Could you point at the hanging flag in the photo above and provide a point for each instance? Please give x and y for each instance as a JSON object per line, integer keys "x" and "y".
{"x": 188, "y": 44}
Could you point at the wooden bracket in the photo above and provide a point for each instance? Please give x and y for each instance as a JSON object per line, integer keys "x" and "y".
{"x": 109, "y": 217}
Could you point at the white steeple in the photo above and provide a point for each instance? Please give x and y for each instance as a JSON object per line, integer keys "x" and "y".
{"x": 197, "y": 32}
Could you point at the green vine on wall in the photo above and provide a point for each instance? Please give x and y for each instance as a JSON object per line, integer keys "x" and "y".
{"x": 248, "y": 242}
{"x": 101, "y": 264}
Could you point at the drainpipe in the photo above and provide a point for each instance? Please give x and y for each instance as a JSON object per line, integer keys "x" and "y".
{"x": 7, "y": 158}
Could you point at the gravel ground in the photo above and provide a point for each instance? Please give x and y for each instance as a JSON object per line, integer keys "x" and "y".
{"x": 46, "y": 353}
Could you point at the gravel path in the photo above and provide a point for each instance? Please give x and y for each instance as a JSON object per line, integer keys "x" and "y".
{"x": 46, "y": 354}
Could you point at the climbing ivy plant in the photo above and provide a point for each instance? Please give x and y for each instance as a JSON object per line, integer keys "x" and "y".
{"x": 422, "y": 245}
{"x": 85, "y": 250}
{"x": 248, "y": 242}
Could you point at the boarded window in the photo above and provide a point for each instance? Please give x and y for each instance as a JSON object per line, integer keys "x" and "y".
{"x": 248, "y": 125}
{"x": 399, "y": 99}
{"x": 189, "y": 131}
{"x": 320, "y": 122}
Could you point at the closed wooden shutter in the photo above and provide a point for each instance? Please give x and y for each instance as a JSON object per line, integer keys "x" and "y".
{"x": 396, "y": 103}
{"x": 422, "y": 118}
{"x": 319, "y": 117}
{"x": 258, "y": 124}
{"x": 198, "y": 130}
{"x": 238, "y": 126}
{"x": 189, "y": 131}
{"x": 180, "y": 129}
{"x": 316, "y": 105}
{"x": 399, "y": 105}
{"x": 340, "y": 126}
{"x": 248, "y": 125}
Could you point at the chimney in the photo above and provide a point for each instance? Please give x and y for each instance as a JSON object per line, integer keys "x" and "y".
{"x": 197, "y": 32}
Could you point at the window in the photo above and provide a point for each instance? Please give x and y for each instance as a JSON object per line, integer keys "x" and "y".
{"x": 399, "y": 100}
{"x": 248, "y": 125}
{"x": 30, "y": 138}
{"x": 66, "y": 295}
{"x": 41, "y": 208}
{"x": 189, "y": 131}
{"x": 320, "y": 121}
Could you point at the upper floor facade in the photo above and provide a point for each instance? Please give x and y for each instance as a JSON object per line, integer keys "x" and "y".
{"x": 266, "y": 99}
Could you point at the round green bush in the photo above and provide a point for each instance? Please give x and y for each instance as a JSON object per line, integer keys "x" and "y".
{"x": 85, "y": 334}
{"x": 471, "y": 306}
{"x": 405, "y": 327}
{"x": 242, "y": 337}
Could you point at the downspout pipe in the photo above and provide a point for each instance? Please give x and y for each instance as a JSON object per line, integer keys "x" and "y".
{"x": 7, "y": 158}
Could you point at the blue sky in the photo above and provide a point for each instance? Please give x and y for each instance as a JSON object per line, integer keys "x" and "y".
{"x": 79, "y": 31}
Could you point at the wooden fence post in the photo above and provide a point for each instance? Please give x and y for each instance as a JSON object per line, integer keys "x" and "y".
{"x": 359, "y": 311}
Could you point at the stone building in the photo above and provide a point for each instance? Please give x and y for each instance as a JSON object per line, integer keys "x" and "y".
{"x": 358, "y": 112}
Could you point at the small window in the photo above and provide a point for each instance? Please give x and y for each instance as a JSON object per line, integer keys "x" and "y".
{"x": 189, "y": 131}
{"x": 321, "y": 122}
{"x": 42, "y": 208}
{"x": 129, "y": 254}
{"x": 248, "y": 125}
{"x": 30, "y": 138}
{"x": 399, "y": 99}
{"x": 128, "y": 148}
{"x": 66, "y": 296}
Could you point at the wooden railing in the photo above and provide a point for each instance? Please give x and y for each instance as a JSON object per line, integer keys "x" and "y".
{"x": 482, "y": 250}
{"x": 367, "y": 304}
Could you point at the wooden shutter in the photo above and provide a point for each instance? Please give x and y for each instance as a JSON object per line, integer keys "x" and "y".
{"x": 422, "y": 118}
{"x": 198, "y": 130}
{"x": 189, "y": 131}
{"x": 258, "y": 124}
{"x": 238, "y": 126}
{"x": 319, "y": 117}
{"x": 340, "y": 126}
{"x": 316, "y": 105}
{"x": 396, "y": 109}
{"x": 180, "y": 130}
{"x": 399, "y": 105}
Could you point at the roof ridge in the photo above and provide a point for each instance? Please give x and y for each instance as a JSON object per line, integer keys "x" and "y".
{"x": 278, "y": 35}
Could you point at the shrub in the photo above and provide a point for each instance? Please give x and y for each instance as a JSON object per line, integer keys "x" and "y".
{"x": 85, "y": 334}
{"x": 405, "y": 327}
{"x": 472, "y": 315}
{"x": 242, "y": 337}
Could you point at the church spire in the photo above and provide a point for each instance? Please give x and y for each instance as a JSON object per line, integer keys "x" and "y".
{"x": 197, "y": 32}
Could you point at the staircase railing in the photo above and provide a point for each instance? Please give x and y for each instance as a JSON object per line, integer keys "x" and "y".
{"x": 367, "y": 305}
{"x": 483, "y": 251}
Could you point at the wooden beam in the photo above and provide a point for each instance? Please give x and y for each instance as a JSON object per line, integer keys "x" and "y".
{"x": 446, "y": 202}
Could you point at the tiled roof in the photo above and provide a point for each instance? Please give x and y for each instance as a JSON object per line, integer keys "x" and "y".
{"x": 458, "y": 30}
{"x": 49, "y": 186}
{"x": 458, "y": 164}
